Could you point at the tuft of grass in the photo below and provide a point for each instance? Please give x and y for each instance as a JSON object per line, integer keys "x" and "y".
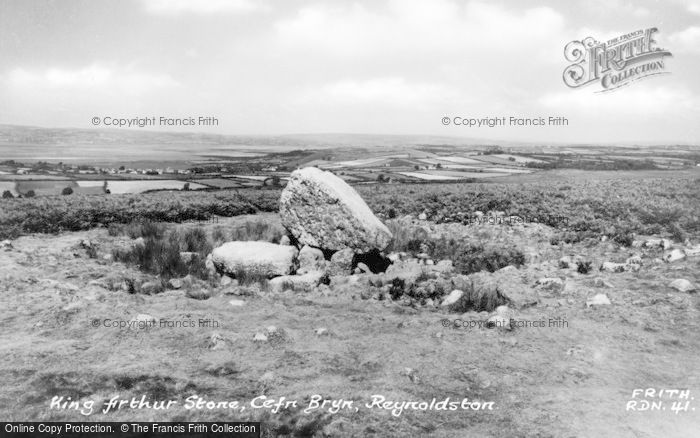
{"x": 478, "y": 299}
{"x": 160, "y": 253}
{"x": 258, "y": 230}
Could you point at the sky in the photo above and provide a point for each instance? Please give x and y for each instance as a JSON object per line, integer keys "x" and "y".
{"x": 376, "y": 67}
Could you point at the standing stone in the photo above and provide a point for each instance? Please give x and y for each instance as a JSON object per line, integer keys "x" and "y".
{"x": 321, "y": 210}
{"x": 254, "y": 258}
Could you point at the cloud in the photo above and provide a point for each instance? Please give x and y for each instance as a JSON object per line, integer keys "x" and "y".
{"x": 687, "y": 40}
{"x": 408, "y": 26}
{"x": 691, "y": 5}
{"x": 93, "y": 78}
{"x": 629, "y": 103}
{"x": 201, "y": 7}
{"x": 391, "y": 91}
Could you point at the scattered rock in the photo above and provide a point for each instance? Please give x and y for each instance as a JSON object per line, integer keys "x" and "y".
{"x": 145, "y": 318}
{"x": 452, "y": 298}
{"x": 613, "y": 267}
{"x": 553, "y": 284}
{"x": 175, "y": 283}
{"x": 411, "y": 374}
{"x": 6, "y": 245}
{"x": 341, "y": 262}
{"x": 216, "y": 341}
{"x": 198, "y": 294}
{"x": 599, "y": 282}
{"x": 321, "y": 210}
{"x": 693, "y": 251}
{"x": 260, "y": 337}
{"x": 658, "y": 243}
{"x": 682, "y": 285}
{"x": 322, "y": 331}
{"x": 299, "y": 283}
{"x": 634, "y": 260}
{"x": 501, "y": 318}
{"x": 285, "y": 240}
{"x": 362, "y": 268}
{"x": 674, "y": 255}
{"x": 226, "y": 281}
{"x": 422, "y": 217}
{"x": 598, "y": 300}
{"x": 151, "y": 287}
{"x": 254, "y": 258}
{"x": 310, "y": 259}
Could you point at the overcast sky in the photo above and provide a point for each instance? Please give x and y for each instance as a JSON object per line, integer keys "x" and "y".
{"x": 382, "y": 66}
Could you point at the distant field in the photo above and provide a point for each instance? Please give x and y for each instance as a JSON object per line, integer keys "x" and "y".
{"x": 429, "y": 177}
{"x": 463, "y": 175}
{"x": 518, "y": 159}
{"x": 221, "y": 183}
{"x": 123, "y": 187}
{"x": 455, "y": 159}
{"x": 7, "y": 185}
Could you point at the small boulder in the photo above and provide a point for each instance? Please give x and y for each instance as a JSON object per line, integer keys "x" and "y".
{"x": 144, "y": 319}
{"x": 255, "y": 258}
{"x": 237, "y": 303}
{"x": 598, "y": 300}
{"x": 175, "y": 283}
{"x": 298, "y": 283}
{"x": 674, "y": 255}
{"x": 216, "y": 341}
{"x": 341, "y": 262}
{"x": 452, "y": 298}
{"x": 151, "y": 287}
{"x": 310, "y": 259}
{"x": 692, "y": 251}
{"x": 322, "y": 331}
{"x": 682, "y": 285}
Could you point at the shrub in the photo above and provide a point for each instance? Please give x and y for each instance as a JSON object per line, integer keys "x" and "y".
{"x": 7, "y": 194}
{"x": 67, "y": 191}
{"x": 623, "y": 238}
{"x": 397, "y": 289}
{"x": 475, "y": 258}
{"x": 584, "y": 267}
{"x": 195, "y": 240}
{"x": 677, "y": 233}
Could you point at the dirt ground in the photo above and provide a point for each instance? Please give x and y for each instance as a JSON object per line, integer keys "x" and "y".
{"x": 561, "y": 381}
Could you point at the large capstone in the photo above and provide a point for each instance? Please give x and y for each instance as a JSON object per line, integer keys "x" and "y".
{"x": 254, "y": 258}
{"x": 323, "y": 211}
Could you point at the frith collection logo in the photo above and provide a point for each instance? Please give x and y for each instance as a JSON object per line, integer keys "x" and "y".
{"x": 614, "y": 63}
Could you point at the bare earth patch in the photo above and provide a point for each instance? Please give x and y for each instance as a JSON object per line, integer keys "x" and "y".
{"x": 57, "y": 340}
